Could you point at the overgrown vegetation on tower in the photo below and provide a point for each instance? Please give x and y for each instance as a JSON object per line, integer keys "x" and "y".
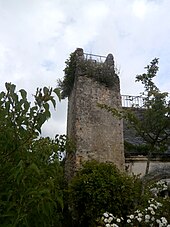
{"x": 66, "y": 85}
{"x": 77, "y": 65}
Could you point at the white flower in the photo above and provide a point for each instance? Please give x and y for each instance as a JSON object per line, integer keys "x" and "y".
{"x": 152, "y": 219}
{"x": 105, "y": 220}
{"x": 140, "y": 215}
{"x": 158, "y": 221}
{"x": 107, "y": 225}
{"x": 150, "y": 208}
{"x": 137, "y": 211}
{"x": 151, "y": 200}
{"x": 106, "y": 215}
{"x": 152, "y": 205}
{"x": 147, "y": 216}
{"x": 110, "y": 219}
{"x": 159, "y": 204}
{"x": 131, "y": 216}
{"x": 118, "y": 220}
{"x": 114, "y": 225}
{"x": 139, "y": 219}
{"x": 164, "y": 221}
{"x": 128, "y": 220}
{"x": 152, "y": 212}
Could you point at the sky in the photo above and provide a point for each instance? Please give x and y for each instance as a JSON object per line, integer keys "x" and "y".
{"x": 37, "y": 36}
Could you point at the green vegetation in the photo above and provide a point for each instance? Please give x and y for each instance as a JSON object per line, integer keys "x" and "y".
{"x": 31, "y": 175}
{"x": 66, "y": 85}
{"x": 99, "y": 187}
{"x": 153, "y": 126}
{"x": 155, "y": 123}
{"x": 135, "y": 149}
{"x": 93, "y": 69}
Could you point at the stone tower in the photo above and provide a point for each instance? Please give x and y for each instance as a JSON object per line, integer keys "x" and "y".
{"x": 96, "y": 133}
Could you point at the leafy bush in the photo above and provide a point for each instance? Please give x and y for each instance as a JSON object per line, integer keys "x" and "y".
{"x": 30, "y": 172}
{"x": 100, "y": 187}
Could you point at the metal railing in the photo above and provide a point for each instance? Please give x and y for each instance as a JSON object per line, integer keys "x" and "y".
{"x": 94, "y": 57}
{"x": 137, "y": 101}
{"x": 132, "y": 101}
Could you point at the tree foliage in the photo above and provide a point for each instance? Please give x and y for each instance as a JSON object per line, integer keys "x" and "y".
{"x": 153, "y": 126}
{"x": 30, "y": 172}
{"x": 100, "y": 187}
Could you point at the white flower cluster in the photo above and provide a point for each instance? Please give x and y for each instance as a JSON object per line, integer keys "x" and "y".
{"x": 162, "y": 185}
{"x": 108, "y": 220}
{"x": 148, "y": 217}
{"x": 159, "y": 187}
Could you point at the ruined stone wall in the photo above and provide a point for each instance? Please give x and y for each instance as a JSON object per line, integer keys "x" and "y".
{"x": 96, "y": 133}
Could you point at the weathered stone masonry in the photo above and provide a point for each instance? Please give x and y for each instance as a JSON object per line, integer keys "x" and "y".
{"x": 96, "y": 134}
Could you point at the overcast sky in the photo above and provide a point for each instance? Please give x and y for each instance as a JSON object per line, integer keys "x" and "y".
{"x": 37, "y": 36}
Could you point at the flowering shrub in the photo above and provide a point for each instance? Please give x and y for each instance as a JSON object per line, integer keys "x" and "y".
{"x": 149, "y": 216}
{"x": 156, "y": 213}
{"x": 160, "y": 187}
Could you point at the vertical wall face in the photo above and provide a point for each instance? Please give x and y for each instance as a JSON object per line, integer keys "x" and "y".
{"x": 96, "y": 133}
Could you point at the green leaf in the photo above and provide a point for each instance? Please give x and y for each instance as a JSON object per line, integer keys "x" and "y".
{"x": 2, "y": 94}
{"x": 46, "y": 106}
{"x": 45, "y": 90}
{"x": 58, "y": 93}
{"x": 53, "y": 102}
{"x": 26, "y": 106}
{"x": 18, "y": 172}
{"x": 7, "y": 106}
{"x": 23, "y": 93}
{"x": 7, "y": 85}
{"x": 35, "y": 168}
{"x": 11, "y": 87}
{"x": 15, "y": 97}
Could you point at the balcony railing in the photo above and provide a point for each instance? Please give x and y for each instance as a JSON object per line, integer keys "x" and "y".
{"x": 94, "y": 57}
{"x": 132, "y": 101}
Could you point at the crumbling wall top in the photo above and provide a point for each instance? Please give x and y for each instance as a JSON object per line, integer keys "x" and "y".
{"x": 100, "y": 68}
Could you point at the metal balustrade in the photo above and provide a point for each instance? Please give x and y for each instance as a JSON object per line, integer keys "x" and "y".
{"x": 94, "y": 57}
{"x": 136, "y": 101}
{"x": 132, "y": 101}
